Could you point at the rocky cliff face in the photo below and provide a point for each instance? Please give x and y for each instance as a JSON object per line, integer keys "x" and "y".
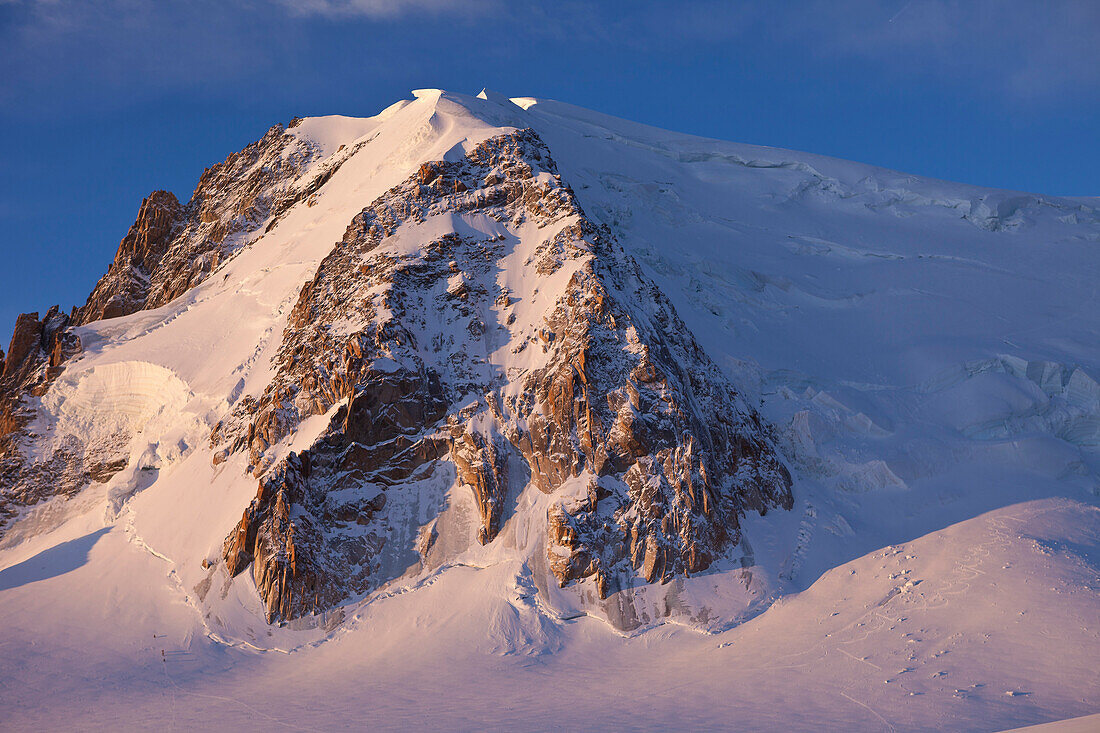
{"x": 472, "y": 328}
{"x": 125, "y": 287}
{"x": 36, "y": 356}
{"x": 421, "y": 355}
{"x": 173, "y": 247}
{"x": 169, "y": 249}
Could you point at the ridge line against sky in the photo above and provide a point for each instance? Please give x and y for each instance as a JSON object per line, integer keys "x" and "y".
{"x": 107, "y": 100}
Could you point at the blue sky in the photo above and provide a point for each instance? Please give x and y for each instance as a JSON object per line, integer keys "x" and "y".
{"x": 103, "y": 101}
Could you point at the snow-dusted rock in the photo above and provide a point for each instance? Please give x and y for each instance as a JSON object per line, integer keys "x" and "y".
{"x": 409, "y": 323}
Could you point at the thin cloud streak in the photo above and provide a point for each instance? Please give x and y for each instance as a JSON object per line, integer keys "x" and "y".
{"x": 1018, "y": 49}
{"x": 378, "y": 8}
{"x": 1024, "y": 50}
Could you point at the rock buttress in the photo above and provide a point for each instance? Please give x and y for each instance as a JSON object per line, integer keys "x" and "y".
{"x": 411, "y": 322}
{"x": 35, "y": 358}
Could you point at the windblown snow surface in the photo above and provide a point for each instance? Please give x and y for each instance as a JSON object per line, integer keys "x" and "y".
{"x": 928, "y": 352}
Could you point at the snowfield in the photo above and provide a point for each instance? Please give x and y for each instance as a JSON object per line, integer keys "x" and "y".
{"x": 927, "y": 351}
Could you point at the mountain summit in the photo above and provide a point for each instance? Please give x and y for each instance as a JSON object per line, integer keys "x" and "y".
{"x": 473, "y": 351}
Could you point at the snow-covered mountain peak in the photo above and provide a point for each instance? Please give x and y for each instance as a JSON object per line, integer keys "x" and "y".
{"x": 469, "y": 316}
{"x": 536, "y": 375}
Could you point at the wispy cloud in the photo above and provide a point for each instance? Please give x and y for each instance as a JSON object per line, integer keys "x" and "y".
{"x": 127, "y": 44}
{"x": 378, "y": 8}
{"x": 1019, "y": 50}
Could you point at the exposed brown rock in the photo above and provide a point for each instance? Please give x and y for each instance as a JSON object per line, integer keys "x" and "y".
{"x": 25, "y": 338}
{"x": 677, "y": 455}
{"x": 482, "y": 465}
{"x": 125, "y": 287}
{"x": 169, "y": 249}
{"x": 304, "y": 531}
{"x": 172, "y": 247}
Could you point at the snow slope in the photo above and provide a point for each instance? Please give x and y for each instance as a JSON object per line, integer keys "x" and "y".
{"x": 927, "y": 351}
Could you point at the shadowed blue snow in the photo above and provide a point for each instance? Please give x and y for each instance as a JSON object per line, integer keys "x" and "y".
{"x": 58, "y": 560}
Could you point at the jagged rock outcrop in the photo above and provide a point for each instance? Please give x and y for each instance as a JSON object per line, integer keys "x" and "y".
{"x": 125, "y": 287}
{"x": 173, "y": 247}
{"x": 34, "y": 359}
{"x": 170, "y": 248}
{"x": 628, "y": 397}
{"x": 318, "y": 530}
{"x": 482, "y": 464}
{"x": 595, "y": 381}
